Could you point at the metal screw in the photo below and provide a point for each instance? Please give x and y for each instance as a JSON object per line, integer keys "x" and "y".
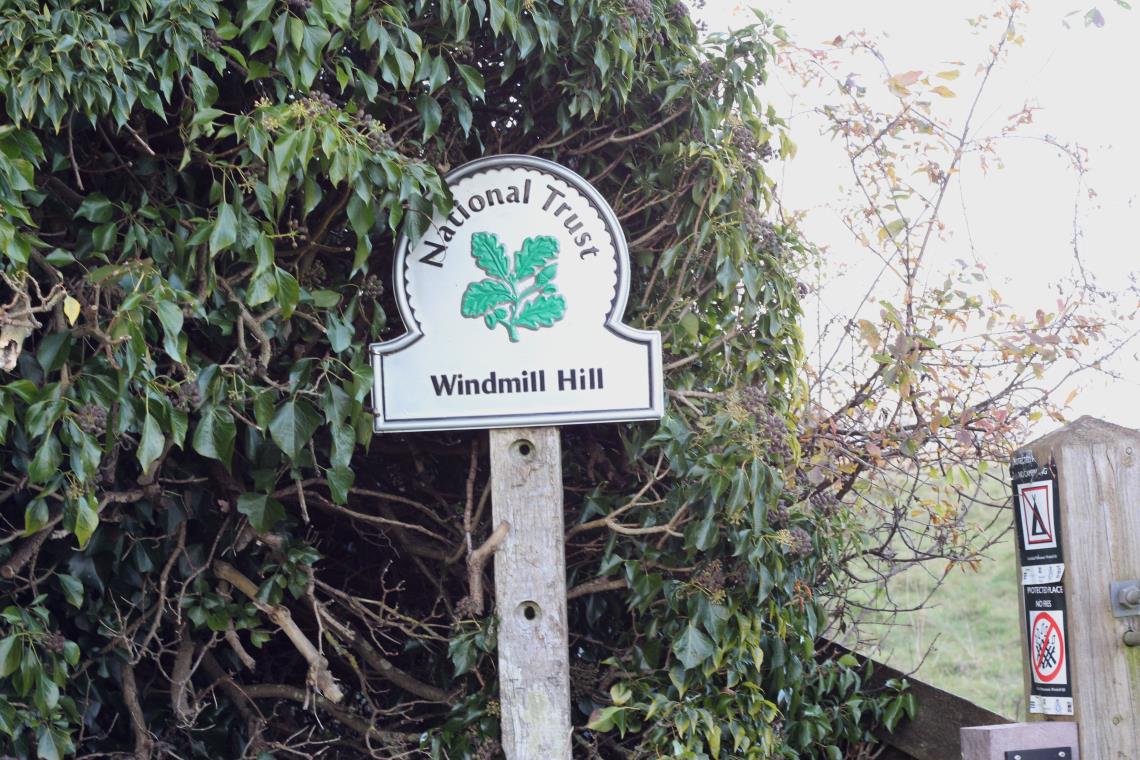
{"x": 1130, "y": 596}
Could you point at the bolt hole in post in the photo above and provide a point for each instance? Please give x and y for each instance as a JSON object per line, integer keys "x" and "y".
{"x": 530, "y": 611}
{"x": 522, "y": 448}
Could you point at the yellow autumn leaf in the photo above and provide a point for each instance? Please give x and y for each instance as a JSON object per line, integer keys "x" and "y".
{"x": 949, "y": 75}
{"x": 944, "y": 91}
{"x": 71, "y": 309}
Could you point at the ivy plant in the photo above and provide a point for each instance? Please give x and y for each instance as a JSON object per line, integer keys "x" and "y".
{"x": 204, "y": 551}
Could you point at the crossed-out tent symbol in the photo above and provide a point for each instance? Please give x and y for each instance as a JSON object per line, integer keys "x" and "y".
{"x": 1037, "y": 514}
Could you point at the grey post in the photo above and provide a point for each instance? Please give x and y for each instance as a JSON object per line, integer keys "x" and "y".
{"x": 1098, "y": 475}
{"x": 530, "y": 594}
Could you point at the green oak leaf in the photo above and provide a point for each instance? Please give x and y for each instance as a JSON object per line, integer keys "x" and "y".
{"x": 543, "y": 311}
{"x": 490, "y": 255}
{"x": 480, "y": 297}
{"x": 535, "y": 252}
{"x": 503, "y": 299}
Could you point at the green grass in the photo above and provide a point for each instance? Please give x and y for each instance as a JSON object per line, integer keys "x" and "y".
{"x": 970, "y": 627}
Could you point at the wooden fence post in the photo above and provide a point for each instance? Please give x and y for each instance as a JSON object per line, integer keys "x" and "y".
{"x": 530, "y": 594}
{"x": 1097, "y": 466}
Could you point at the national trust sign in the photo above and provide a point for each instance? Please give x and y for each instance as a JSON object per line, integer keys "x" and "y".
{"x": 513, "y": 305}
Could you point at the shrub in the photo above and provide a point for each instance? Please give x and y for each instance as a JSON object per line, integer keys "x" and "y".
{"x": 206, "y": 551}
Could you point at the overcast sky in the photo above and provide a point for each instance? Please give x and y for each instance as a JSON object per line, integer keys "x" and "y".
{"x": 1020, "y": 217}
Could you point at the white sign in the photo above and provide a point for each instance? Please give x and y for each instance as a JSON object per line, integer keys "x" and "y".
{"x": 1050, "y": 705}
{"x": 1039, "y": 575}
{"x": 513, "y": 305}
{"x": 1035, "y": 507}
{"x": 1047, "y": 647}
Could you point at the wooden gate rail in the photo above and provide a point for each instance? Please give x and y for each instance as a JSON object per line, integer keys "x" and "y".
{"x": 933, "y": 733}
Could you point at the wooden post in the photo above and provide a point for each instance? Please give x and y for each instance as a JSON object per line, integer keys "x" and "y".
{"x": 993, "y": 742}
{"x": 1098, "y": 474}
{"x": 530, "y": 594}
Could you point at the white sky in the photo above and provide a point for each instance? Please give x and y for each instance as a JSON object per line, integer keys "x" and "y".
{"x": 1021, "y": 216}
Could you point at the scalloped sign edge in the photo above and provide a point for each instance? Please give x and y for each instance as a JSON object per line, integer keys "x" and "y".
{"x": 407, "y": 397}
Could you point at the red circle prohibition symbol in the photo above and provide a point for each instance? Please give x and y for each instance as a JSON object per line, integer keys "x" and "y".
{"x": 1038, "y": 657}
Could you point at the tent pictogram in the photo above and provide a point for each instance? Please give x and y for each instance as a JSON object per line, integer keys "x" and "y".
{"x": 1047, "y": 647}
{"x": 1035, "y": 505}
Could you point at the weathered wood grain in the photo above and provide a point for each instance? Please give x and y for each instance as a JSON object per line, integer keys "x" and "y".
{"x": 1098, "y": 471}
{"x": 993, "y": 742}
{"x": 530, "y": 594}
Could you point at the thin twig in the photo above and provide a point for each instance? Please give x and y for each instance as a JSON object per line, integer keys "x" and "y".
{"x": 144, "y": 744}
{"x": 319, "y": 674}
{"x": 478, "y": 559}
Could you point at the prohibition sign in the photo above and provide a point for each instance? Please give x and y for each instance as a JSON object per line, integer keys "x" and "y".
{"x": 1036, "y": 507}
{"x": 1048, "y": 651}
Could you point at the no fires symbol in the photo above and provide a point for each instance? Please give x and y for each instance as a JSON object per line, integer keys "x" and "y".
{"x": 1048, "y": 648}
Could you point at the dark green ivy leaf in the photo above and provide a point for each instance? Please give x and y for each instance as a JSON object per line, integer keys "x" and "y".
{"x": 692, "y": 647}
{"x": 45, "y": 463}
{"x": 214, "y": 436}
{"x": 224, "y": 233}
{"x": 293, "y": 425}
{"x": 95, "y": 208}
{"x": 11, "y": 650}
{"x": 72, "y": 589}
{"x": 337, "y": 11}
{"x": 47, "y": 747}
{"x": 255, "y": 10}
{"x": 473, "y": 79}
{"x": 431, "y": 114}
{"x": 151, "y": 445}
{"x": 263, "y": 512}
{"x": 340, "y": 479}
{"x": 81, "y": 517}
{"x": 288, "y": 292}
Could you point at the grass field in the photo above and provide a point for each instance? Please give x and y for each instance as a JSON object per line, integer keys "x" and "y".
{"x": 969, "y": 632}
